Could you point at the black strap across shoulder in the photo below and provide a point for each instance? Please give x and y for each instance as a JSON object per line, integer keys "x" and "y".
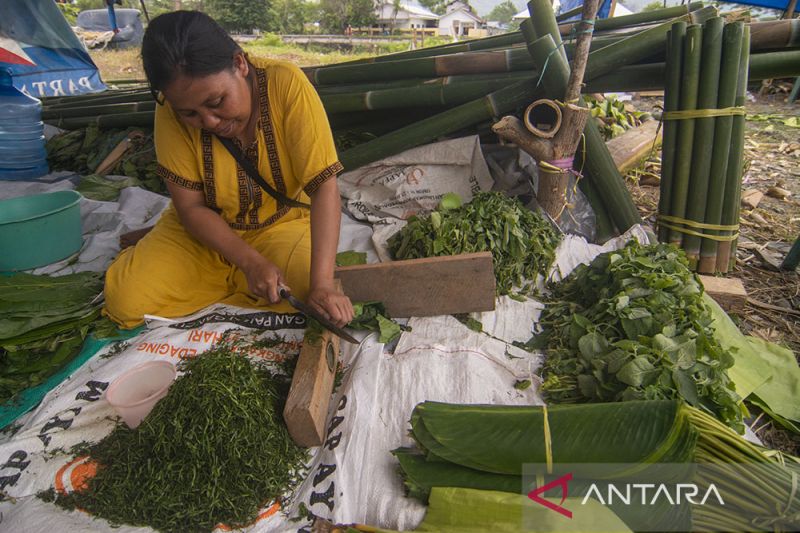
{"x": 252, "y": 171}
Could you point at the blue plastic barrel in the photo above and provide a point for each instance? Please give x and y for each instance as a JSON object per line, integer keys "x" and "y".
{"x": 22, "y": 151}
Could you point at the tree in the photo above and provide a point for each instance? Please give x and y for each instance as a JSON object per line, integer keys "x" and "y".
{"x": 440, "y": 6}
{"x": 503, "y": 13}
{"x": 240, "y": 15}
{"x": 337, "y": 14}
{"x": 290, "y": 16}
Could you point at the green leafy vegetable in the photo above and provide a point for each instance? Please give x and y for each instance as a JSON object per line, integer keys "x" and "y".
{"x": 522, "y": 243}
{"x": 214, "y": 450}
{"x": 633, "y": 325}
{"x": 43, "y": 323}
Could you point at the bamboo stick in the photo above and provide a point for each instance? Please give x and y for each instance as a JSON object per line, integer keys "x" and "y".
{"x": 726, "y": 252}
{"x": 671, "y": 102}
{"x": 123, "y": 120}
{"x": 707, "y": 96}
{"x": 717, "y": 193}
{"x": 89, "y": 110}
{"x": 543, "y": 22}
{"x": 685, "y": 141}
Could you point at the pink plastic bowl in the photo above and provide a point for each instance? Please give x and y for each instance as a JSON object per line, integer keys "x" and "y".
{"x": 134, "y": 394}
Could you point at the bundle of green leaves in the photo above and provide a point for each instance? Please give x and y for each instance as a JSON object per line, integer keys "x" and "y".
{"x": 214, "y": 450}
{"x": 614, "y": 116}
{"x": 632, "y": 325}
{"x": 43, "y": 323}
{"x": 522, "y": 242}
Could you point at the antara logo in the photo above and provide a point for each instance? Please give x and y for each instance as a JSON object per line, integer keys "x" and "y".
{"x": 624, "y": 494}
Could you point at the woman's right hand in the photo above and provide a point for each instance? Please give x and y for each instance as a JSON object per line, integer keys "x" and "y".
{"x": 264, "y": 278}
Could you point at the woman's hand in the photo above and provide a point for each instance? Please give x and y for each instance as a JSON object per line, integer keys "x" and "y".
{"x": 332, "y": 304}
{"x": 264, "y": 278}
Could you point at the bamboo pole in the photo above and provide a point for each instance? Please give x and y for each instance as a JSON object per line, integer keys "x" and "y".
{"x": 726, "y": 252}
{"x": 542, "y": 22}
{"x": 707, "y": 96}
{"x": 122, "y": 120}
{"x": 683, "y": 151}
{"x": 717, "y": 193}
{"x": 671, "y": 102}
{"x": 91, "y": 109}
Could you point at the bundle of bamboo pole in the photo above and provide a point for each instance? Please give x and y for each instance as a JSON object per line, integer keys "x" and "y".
{"x": 706, "y": 82}
{"x": 398, "y": 101}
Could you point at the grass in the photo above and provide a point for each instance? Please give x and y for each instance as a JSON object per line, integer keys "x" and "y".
{"x": 126, "y": 64}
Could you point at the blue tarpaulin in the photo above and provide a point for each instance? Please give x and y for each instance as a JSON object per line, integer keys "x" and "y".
{"x": 42, "y": 52}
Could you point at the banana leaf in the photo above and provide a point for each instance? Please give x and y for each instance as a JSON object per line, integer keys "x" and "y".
{"x": 501, "y": 440}
{"x": 29, "y": 302}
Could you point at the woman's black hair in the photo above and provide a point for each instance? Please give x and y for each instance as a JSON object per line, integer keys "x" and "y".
{"x": 188, "y": 43}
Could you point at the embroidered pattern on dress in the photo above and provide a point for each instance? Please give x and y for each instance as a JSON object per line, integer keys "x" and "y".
{"x": 166, "y": 174}
{"x": 208, "y": 169}
{"x": 312, "y": 186}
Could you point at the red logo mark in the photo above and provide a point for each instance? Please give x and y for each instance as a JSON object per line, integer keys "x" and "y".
{"x": 560, "y": 482}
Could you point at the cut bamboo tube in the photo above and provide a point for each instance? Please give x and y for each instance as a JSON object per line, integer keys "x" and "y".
{"x": 717, "y": 193}
{"x": 683, "y": 151}
{"x": 543, "y": 118}
{"x": 671, "y": 102}
{"x": 708, "y": 88}
{"x": 726, "y": 252}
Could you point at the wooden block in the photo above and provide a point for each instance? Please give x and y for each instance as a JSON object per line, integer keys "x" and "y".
{"x": 310, "y": 394}
{"x": 729, "y": 293}
{"x": 631, "y": 147}
{"x": 751, "y": 198}
{"x": 312, "y": 384}
{"x": 424, "y": 287}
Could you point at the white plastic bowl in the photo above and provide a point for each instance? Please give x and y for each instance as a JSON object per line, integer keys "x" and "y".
{"x": 134, "y": 394}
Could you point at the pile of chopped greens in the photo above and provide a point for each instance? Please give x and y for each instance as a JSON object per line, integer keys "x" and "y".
{"x": 43, "y": 323}
{"x": 215, "y": 450}
{"x": 522, "y": 242}
{"x": 632, "y": 325}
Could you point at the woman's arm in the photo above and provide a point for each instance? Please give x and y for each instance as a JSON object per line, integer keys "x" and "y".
{"x": 325, "y": 220}
{"x": 205, "y": 225}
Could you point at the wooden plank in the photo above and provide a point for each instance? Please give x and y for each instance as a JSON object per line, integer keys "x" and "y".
{"x": 631, "y": 147}
{"x": 424, "y": 287}
{"x": 729, "y": 293}
{"x": 306, "y": 407}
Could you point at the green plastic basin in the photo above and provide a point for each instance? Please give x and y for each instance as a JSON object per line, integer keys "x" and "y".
{"x": 39, "y": 229}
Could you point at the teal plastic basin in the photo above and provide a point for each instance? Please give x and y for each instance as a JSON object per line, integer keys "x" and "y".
{"x": 39, "y": 229}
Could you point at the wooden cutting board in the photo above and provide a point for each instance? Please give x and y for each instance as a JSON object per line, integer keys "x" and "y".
{"x": 431, "y": 286}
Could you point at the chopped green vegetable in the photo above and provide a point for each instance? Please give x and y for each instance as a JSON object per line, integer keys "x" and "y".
{"x": 214, "y": 450}
{"x": 522, "y": 384}
{"x": 632, "y": 325}
{"x": 522, "y": 242}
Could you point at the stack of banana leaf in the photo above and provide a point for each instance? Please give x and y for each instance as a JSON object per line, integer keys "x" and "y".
{"x": 83, "y": 150}
{"x": 382, "y": 106}
{"x": 519, "y": 448}
{"x": 43, "y": 323}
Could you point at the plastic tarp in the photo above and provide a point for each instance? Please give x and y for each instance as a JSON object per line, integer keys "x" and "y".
{"x": 43, "y": 54}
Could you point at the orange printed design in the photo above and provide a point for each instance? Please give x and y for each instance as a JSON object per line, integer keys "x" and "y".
{"x": 75, "y": 475}
{"x": 165, "y": 348}
{"x": 312, "y": 186}
{"x": 166, "y": 174}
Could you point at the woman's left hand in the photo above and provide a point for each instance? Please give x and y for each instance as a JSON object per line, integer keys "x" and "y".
{"x": 333, "y": 305}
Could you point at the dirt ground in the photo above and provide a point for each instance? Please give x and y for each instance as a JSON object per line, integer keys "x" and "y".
{"x": 772, "y": 167}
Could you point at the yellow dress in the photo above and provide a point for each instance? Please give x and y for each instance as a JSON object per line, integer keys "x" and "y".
{"x": 169, "y": 273}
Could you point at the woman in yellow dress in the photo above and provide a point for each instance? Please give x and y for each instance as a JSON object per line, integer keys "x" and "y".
{"x": 224, "y": 238}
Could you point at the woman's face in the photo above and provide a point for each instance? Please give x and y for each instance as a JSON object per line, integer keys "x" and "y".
{"x": 220, "y": 103}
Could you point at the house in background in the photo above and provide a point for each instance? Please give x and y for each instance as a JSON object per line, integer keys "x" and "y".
{"x": 406, "y": 17}
{"x": 458, "y": 20}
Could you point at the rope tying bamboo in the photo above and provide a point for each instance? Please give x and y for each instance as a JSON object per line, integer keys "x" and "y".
{"x": 548, "y": 444}
{"x": 720, "y": 238}
{"x": 703, "y": 113}
{"x": 784, "y": 517}
{"x": 699, "y": 225}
